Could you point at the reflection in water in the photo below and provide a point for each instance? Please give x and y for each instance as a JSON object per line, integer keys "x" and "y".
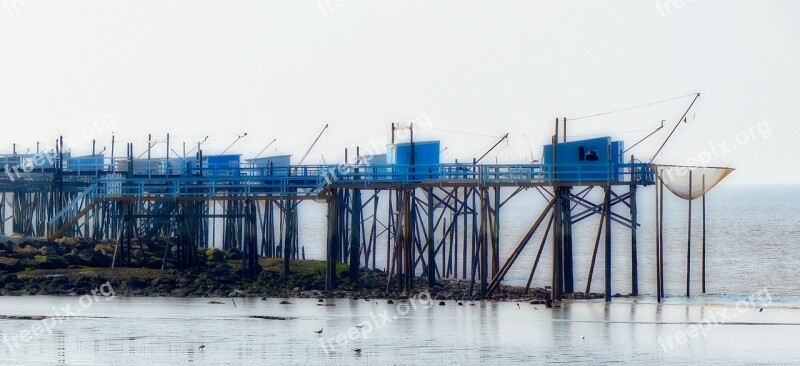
{"x": 150, "y": 331}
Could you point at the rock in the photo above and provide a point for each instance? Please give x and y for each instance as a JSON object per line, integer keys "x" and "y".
{"x": 284, "y": 302}
{"x": 215, "y": 255}
{"x": 105, "y": 249}
{"x": 441, "y": 303}
{"x": 58, "y": 281}
{"x": 233, "y": 254}
{"x": 50, "y": 262}
{"x": 136, "y": 283}
{"x": 10, "y": 264}
{"x": 95, "y": 258}
{"x": 162, "y": 281}
{"x": 75, "y": 260}
{"x": 234, "y": 293}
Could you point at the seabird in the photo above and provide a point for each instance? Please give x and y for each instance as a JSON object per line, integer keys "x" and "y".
{"x": 760, "y": 310}
{"x": 357, "y": 350}
{"x": 319, "y": 331}
{"x": 202, "y": 346}
{"x": 360, "y": 326}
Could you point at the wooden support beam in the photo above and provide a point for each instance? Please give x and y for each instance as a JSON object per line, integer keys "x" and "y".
{"x": 608, "y": 244}
{"x": 496, "y": 280}
{"x": 431, "y": 265}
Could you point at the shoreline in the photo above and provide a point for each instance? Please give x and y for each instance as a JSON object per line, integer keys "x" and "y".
{"x": 75, "y": 266}
{"x": 222, "y": 282}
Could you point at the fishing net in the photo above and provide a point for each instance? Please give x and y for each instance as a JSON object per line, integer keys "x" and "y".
{"x": 689, "y": 182}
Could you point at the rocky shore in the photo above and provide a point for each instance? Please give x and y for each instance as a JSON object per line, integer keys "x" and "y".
{"x": 76, "y": 266}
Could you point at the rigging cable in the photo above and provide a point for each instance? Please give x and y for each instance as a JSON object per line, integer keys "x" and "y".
{"x": 634, "y": 107}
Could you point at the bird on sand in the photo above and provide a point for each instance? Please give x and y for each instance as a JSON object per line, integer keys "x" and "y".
{"x": 518, "y": 306}
{"x": 760, "y": 310}
{"x": 357, "y": 350}
{"x": 202, "y": 346}
{"x": 319, "y": 331}
{"x": 360, "y": 326}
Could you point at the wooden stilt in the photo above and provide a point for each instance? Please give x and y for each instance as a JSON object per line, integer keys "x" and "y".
{"x": 704, "y": 235}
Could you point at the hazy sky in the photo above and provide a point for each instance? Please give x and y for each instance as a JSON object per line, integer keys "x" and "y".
{"x": 473, "y": 69}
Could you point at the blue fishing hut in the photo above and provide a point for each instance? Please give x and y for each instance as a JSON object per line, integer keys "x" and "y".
{"x": 425, "y": 154}
{"x": 83, "y": 164}
{"x": 591, "y": 160}
{"x": 277, "y": 165}
{"x": 222, "y": 165}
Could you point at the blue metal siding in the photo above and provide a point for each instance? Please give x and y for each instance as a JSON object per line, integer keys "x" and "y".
{"x": 425, "y": 153}
{"x": 618, "y": 152}
{"x": 85, "y": 163}
{"x": 277, "y": 165}
{"x": 221, "y": 165}
{"x": 586, "y": 160}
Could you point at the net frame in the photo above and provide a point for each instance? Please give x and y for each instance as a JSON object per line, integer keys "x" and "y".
{"x": 689, "y": 182}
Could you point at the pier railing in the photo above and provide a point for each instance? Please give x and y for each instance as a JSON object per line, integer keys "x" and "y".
{"x": 311, "y": 180}
{"x": 507, "y": 174}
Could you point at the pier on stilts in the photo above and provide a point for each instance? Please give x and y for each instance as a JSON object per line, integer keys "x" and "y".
{"x": 419, "y": 217}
